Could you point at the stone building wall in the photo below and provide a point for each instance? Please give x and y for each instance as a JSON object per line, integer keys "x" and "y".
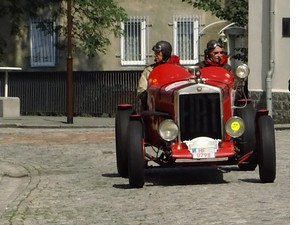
{"x": 280, "y": 104}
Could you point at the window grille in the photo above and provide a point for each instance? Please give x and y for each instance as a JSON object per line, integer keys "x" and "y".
{"x": 186, "y": 30}
{"x": 42, "y": 41}
{"x": 133, "y": 41}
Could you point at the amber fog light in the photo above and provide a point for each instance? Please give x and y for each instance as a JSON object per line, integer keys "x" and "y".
{"x": 235, "y": 126}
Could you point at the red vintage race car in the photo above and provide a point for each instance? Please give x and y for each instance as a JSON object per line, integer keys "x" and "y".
{"x": 194, "y": 117}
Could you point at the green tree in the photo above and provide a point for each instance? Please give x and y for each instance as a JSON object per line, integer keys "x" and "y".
{"x": 231, "y": 10}
{"x": 93, "y": 20}
{"x": 235, "y": 11}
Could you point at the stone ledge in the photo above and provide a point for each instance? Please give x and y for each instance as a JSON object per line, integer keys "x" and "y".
{"x": 9, "y": 107}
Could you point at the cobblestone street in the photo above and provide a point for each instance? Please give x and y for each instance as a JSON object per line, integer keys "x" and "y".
{"x": 69, "y": 176}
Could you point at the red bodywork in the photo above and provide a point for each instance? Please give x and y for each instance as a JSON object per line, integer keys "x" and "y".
{"x": 164, "y": 81}
{"x": 190, "y": 118}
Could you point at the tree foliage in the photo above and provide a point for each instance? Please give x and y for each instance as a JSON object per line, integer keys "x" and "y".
{"x": 231, "y": 10}
{"x": 93, "y": 20}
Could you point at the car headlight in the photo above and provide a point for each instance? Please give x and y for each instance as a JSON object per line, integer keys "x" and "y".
{"x": 235, "y": 126}
{"x": 168, "y": 130}
{"x": 242, "y": 71}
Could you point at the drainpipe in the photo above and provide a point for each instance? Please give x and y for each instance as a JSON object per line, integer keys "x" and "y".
{"x": 272, "y": 62}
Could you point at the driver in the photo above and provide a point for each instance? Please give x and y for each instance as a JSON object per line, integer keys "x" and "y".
{"x": 215, "y": 56}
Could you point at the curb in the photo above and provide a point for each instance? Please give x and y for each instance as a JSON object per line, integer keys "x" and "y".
{"x": 79, "y": 122}
{"x": 53, "y": 126}
{"x": 14, "y": 125}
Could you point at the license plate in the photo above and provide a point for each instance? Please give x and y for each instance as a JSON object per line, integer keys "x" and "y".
{"x": 203, "y": 153}
{"x": 203, "y": 147}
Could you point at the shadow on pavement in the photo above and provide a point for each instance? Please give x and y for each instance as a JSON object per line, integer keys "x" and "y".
{"x": 158, "y": 176}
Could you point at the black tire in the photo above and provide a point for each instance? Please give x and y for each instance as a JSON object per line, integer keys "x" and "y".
{"x": 121, "y": 135}
{"x": 136, "y": 158}
{"x": 266, "y": 149}
{"x": 247, "y": 141}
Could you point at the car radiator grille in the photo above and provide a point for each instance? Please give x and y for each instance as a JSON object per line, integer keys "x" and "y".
{"x": 200, "y": 115}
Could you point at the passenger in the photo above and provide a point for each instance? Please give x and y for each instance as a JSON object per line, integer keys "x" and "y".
{"x": 162, "y": 54}
{"x": 174, "y": 59}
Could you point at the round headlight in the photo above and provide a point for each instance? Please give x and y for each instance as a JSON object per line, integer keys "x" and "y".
{"x": 242, "y": 71}
{"x": 168, "y": 130}
{"x": 235, "y": 126}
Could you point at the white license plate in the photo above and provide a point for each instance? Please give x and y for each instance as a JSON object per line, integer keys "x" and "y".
{"x": 203, "y": 153}
{"x": 203, "y": 147}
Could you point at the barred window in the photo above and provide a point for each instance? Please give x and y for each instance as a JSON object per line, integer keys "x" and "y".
{"x": 42, "y": 43}
{"x": 133, "y": 41}
{"x": 185, "y": 36}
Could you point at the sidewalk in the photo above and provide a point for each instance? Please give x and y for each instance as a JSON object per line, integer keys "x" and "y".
{"x": 57, "y": 122}
{"x": 78, "y": 122}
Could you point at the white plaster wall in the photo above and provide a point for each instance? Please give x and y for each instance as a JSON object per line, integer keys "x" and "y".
{"x": 258, "y": 42}
{"x": 282, "y": 47}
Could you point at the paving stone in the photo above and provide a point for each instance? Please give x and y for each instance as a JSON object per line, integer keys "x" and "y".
{"x": 72, "y": 179}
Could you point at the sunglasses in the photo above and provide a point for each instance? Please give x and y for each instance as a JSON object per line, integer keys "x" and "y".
{"x": 215, "y": 53}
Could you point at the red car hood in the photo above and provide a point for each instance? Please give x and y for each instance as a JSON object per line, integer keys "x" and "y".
{"x": 166, "y": 74}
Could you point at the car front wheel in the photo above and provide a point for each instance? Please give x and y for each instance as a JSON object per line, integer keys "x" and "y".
{"x": 266, "y": 149}
{"x": 136, "y": 157}
{"x": 121, "y": 136}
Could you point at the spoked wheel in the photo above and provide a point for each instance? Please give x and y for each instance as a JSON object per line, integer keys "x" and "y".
{"x": 136, "y": 158}
{"x": 121, "y": 133}
{"x": 266, "y": 149}
{"x": 247, "y": 140}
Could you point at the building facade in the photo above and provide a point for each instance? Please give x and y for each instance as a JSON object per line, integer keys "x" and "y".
{"x": 148, "y": 22}
{"x": 188, "y": 30}
{"x": 269, "y": 56}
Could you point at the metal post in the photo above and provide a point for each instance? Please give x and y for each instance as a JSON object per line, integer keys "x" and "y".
{"x": 6, "y": 84}
{"x": 6, "y": 70}
{"x": 70, "y": 94}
